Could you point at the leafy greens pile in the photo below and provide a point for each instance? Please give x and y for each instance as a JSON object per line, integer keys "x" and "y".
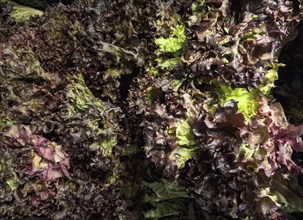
{"x": 146, "y": 110}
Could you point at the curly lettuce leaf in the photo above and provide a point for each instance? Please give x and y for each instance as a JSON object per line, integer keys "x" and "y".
{"x": 248, "y": 101}
{"x": 175, "y": 40}
{"x": 167, "y": 198}
{"x": 21, "y": 12}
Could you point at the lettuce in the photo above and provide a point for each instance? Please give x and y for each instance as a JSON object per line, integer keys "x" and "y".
{"x": 247, "y": 100}
{"x": 21, "y": 12}
{"x": 175, "y": 40}
{"x": 167, "y": 198}
{"x": 150, "y": 110}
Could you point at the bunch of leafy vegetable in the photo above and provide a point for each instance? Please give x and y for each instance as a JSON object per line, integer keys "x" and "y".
{"x": 138, "y": 109}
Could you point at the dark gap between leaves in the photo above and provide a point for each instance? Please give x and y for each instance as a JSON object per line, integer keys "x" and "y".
{"x": 42, "y": 4}
{"x": 289, "y": 86}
